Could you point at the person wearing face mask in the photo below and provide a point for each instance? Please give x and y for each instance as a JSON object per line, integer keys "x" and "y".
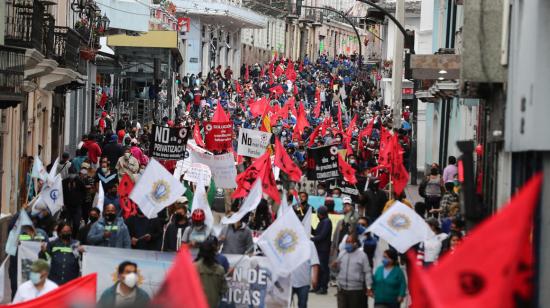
{"x": 302, "y": 208}
{"x": 173, "y": 234}
{"x": 389, "y": 286}
{"x": 198, "y": 232}
{"x": 63, "y": 255}
{"x": 321, "y": 190}
{"x": 125, "y": 292}
{"x": 37, "y": 285}
{"x": 236, "y": 238}
{"x": 109, "y": 230}
{"x": 344, "y": 225}
{"x": 105, "y": 176}
{"x": 354, "y": 277}
{"x": 127, "y": 164}
{"x": 93, "y": 216}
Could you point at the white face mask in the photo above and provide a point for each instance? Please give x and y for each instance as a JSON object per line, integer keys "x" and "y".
{"x": 127, "y": 155}
{"x": 130, "y": 280}
{"x": 320, "y": 191}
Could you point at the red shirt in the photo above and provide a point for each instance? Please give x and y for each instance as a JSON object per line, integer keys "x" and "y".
{"x": 94, "y": 151}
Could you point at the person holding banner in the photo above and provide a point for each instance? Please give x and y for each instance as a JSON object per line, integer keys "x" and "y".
{"x": 211, "y": 273}
{"x": 198, "y": 231}
{"x": 63, "y": 255}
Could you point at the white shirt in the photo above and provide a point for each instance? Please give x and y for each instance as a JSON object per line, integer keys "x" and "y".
{"x": 28, "y": 291}
{"x": 301, "y": 276}
{"x": 432, "y": 247}
{"x": 124, "y": 300}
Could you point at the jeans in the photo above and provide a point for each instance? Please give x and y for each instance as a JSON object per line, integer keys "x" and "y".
{"x": 302, "y": 293}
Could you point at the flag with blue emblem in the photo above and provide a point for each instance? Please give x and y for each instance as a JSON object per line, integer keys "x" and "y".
{"x": 156, "y": 189}
{"x": 401, "y": 227}
{"x": 13, "y": 237}
{"x": 51, "y": 196}
{"x": 285, "y": 243}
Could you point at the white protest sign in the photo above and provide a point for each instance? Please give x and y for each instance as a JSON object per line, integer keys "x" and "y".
{"x": 152, "y": 266}
{"x": 181, "y": 167}
{"x": 222, "y": 167}
{"x": 252, "y": 143}
{"x": 198, "y": 172}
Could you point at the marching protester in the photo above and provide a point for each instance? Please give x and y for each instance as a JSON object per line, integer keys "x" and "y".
{"x": 306, "y": 276}
{"x": 198, "y": 231}
{"x": 354, "y": 275}
{"x": 125, "y": 292}
{"x": 236, "y": 238}
{"x": 63, "y": 255}
{"x": 322, "y": 240}
{"x": 174, "y": 230}
{"x": 93, "y": 216}
{"x": 37, "y": 285}
{"x": 211, "y": 273}
{"x": 109, "y": 230}
{"x": 389, "y": 286}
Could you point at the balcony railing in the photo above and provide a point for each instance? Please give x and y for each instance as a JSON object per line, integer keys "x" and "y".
{"x": 12, "y": 68}
{"x": 66, "y": 47}
{"x": 25, "y": 24}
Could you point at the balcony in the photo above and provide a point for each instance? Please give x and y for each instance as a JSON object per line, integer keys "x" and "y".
{"x": 12, "y": 67}
{"x": 25, "y": 24}
{"x": 66, "y": 48}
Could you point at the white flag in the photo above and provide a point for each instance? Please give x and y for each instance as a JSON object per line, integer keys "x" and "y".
{"x": 284, "y": 207}
{"x": 52, "y": 195}
{"x": 306, "y": 221}
{"x": 53, "y": 172}
{"x": 5, "y": 286}
{"x": 285, "y": 244}
{"x": 200, "y": 201}
{"x": 13, "y": 237}
{"x": 401, "y": 227}
{"x": 38, "y": 170}
{"x": 250, "y": 204}
{"x": 156, "y": 189}
{"x": 99, "y": 198}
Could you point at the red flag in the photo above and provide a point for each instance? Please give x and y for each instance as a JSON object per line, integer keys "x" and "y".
{"x": 220, "y": 115}
{"x": 290, "y": 72}
{"x": 483, "y": 270}
{"x": 313, "y": 136}
{"x": 295, "y": 90}
{"x": 278, "y": 90}
{"x": 80, "y": 292}
{"x": 417, "y": 281}
{"x": 246, "y": 73}
{"x": 279, "y": 70}
{"x": 257, "y": 108}
{"x": 301, "y": 122}
{"x": 103, "y": 100}
{"x": 347, "y": 171}
{"x": 171, "y": 294}
{"x": 351, "y": 127}
{"x": 285, "y": 163}
{"x": 270, "y": 72}
{"x": 291, "y": 106}
{"x": 238, "y": 88}
{"x": 129, "y": 208}
{"x": 301, "y": 66}
{"x": 197, "y": 135}
{"x": 340, "y": 124}
{"x": 260, "y": 168}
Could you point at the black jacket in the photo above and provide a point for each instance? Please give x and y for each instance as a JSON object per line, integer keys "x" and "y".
{"x": 64, "y": 261}
{"x": 139, "y": 226}
{"x": 375, "y": 201}
{"x": 322, "y": 235}
{"x": 113, "y": 151}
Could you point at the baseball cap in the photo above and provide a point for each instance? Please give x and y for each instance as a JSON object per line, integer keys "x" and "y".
{"x": 346, "y": 200}
{"x": 40, "y": 265}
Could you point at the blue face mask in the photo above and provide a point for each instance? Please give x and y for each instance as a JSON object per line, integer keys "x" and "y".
{"x": 385, "y": 261}
{"x": 35, "y": 278}
{"x": 349, "y": 247}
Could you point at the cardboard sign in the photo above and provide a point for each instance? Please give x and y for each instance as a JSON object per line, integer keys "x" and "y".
{"x": 252, "y": 143}
{"x": 322, "y": 163}
{"x": 219, "y": 135}
{"x": 169, "y": 143}
{"x": 198, "y": 173}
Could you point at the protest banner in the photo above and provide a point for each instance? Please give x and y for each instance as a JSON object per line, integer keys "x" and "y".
{"x": 322, "y": 163}
{"x": 348, "y": 189}
{"x": 218, "y": 135}
{"x": 26, "y": 255}
{"x": 152, "y": 266}
{"x": 168, "y": 143}
{"x": 198, "y": 173}
{"x": 252, "y": 143}
{"x": 254, "y": 284}
{"x": 222, "y": 167}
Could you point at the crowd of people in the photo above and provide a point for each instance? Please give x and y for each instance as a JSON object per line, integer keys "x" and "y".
{"x": 351, "y": 114}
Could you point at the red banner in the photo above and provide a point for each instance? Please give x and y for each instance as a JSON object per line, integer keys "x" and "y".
{"x": 218, "y": 135}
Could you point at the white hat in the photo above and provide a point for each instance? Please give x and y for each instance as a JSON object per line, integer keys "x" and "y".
{"x": 181, "y": 199}
{"x": 346, "y": 200}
